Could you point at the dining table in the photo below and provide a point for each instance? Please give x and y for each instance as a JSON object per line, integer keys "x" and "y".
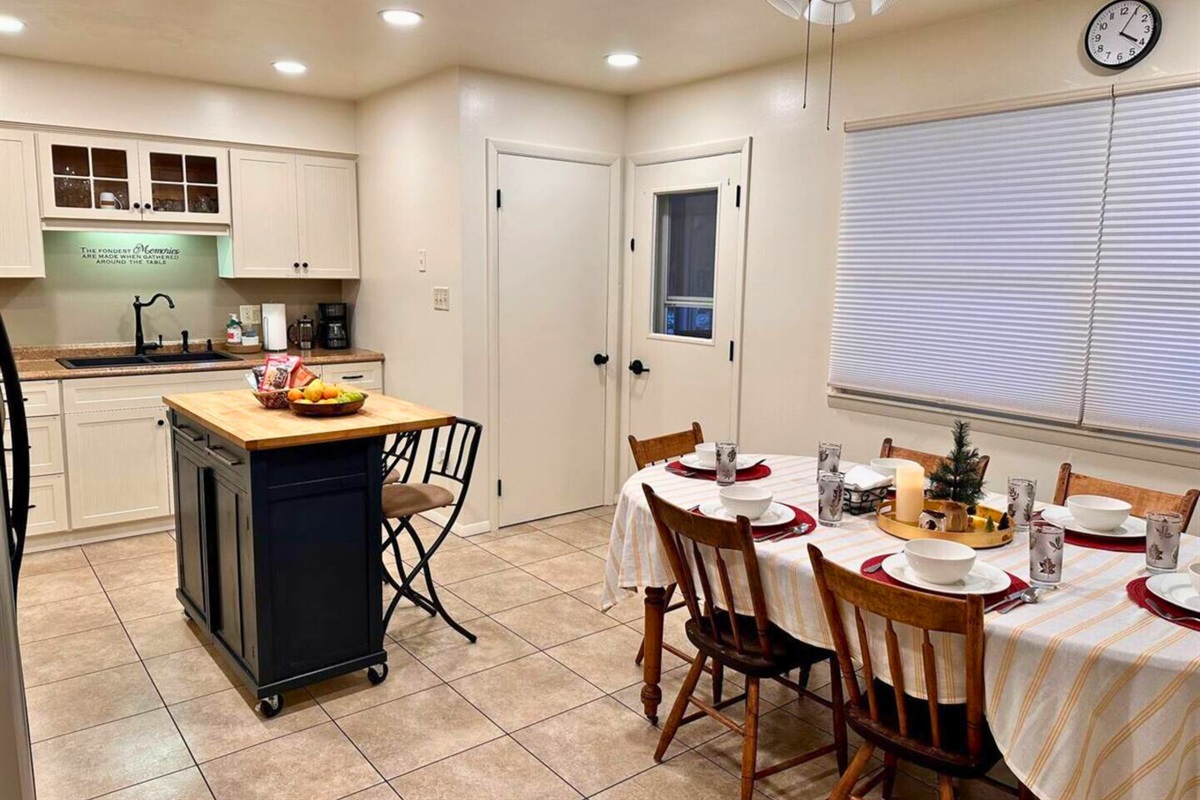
{"x": 1088, "y": 695}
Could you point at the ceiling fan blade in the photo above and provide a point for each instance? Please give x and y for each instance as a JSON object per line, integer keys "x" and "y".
{"x": 791, "y": 8}
{"x": 879, "y": 6}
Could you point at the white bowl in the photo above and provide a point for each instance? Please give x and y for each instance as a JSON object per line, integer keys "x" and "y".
{"x": 887, "y": 466}
{"x": 939, "y": 561}
{"x": 1193, "y": 573}
{"x": 1097, "y": 512}
{"x": 743, "y": 500}
{"x": 706, "y": 453}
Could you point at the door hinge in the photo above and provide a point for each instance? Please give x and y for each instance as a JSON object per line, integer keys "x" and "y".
{"x": 499, "y": 488}
{"x": 632, "y": 243}
{"x": 498, "y": 202}
{"x": 737, "y": 198}
{"x": 731, "y": 349}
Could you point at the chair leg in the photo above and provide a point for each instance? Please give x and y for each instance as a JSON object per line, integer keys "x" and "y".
{"x": 750, "y": 743}
{"x": 889, "y": 775}
{"x": 804, "y": 676}
{"x": 844, "y": 786}
{"x": 681, "y": 703}
{"x": 839, "y": 716}
{"x": 423, "y": 559}
{"x": 718, "y": 680}
{"x": 1024, "y": 793}
{"x": 945, "y": 787}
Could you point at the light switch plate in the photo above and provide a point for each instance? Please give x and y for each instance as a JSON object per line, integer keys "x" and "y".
{"x": 250, "y": 315}
{"x": 421, "y": 260}
{"x": 441, "y": 298}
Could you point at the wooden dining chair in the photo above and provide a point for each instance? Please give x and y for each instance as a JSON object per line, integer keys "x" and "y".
{"x": 953, "y": 740}
{"x": 651, "y": 451}
{"x": 666, "y": 447}
{"x": 1143, "y": 500}
{"x": 927, "y": 460}
{"x": 744, "y": 640}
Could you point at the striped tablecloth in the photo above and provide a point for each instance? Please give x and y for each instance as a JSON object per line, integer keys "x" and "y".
{"x": 1088, "y": 696}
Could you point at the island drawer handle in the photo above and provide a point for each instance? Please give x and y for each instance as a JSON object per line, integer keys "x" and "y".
{"x": 189, "y": 433}
{"x": 353, "y": 377}
{"x": 224, "y": 459}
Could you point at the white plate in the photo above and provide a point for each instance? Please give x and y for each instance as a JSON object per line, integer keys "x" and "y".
{"x": 776, "y": 514}
{"x": 1132, "y": 527}
{"x": 982, "y": 579}
{"x": 1176, "y": 588}
{"x": 692, "y": 461}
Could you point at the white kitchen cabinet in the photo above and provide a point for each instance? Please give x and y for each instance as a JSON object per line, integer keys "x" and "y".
{"x": 328, "y": 211}
{"x": 150, "y": 182}
{"x": 293, "y": 217}
{"x": 365, "y": 375}
{"x": 45, "y": 446}
{"x": 21, "y": 254}
{"x": 41, "y": 398}
{"x": 48, "y": 498}
{"x": 118, "y": 466}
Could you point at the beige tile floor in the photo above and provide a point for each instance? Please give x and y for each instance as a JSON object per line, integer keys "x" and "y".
{"x": 126, "y": 702}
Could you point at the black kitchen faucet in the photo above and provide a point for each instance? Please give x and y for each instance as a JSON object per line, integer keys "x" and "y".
{"x": 139, "y": 340}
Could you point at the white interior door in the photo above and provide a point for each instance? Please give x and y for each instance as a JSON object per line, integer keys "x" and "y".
{"x": 683, "y": 297}
{"x": 553, "y": 231}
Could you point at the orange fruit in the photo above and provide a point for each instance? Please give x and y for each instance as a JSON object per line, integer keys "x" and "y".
{"x": 295, "y": 394}
{"x": 330, "y": 392}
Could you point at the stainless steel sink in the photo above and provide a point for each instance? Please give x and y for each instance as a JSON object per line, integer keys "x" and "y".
{"x": 91, "y": 362}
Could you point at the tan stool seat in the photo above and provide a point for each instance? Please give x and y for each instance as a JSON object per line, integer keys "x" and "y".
{"x": 392, "y": 477}
{"x": 405, "y": 499}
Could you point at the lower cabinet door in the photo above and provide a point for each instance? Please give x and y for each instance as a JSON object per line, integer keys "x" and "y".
{"x": 118, "y": 466}
{"x": 233, "y": 618}
{"x": 191, "y": 517}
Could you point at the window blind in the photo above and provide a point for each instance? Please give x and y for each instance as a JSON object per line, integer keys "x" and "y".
{"x": 1144, "y": 368}
{"x": 967, "y": 259}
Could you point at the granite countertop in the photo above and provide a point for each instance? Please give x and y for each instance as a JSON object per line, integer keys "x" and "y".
{"x": 40, "y": 363}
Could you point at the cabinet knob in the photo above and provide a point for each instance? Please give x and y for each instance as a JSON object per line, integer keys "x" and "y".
{"x": 136, "y": 206}
{"x": 162, "y": 422}
{"x": 305, "y": 265}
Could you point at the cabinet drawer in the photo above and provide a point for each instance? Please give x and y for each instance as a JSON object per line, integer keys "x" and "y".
{"x": 48, "y": 495}
{"x": 45, "y": 446}
{"x": 142, "y": 391}
{"x": 366, "y": 375}
{"x": 41, "y": 398}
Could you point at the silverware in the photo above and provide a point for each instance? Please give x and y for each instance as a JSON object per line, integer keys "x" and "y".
{"x": 755, "y": 464}
{"x": 795, "y": 530}
{"x": 1008, "y": 598}
{"x": 683, "y": 473}
{"x": 1028, "y": 597}
{"x": 871, "y": 570}
{"x": 1167, "y": 615}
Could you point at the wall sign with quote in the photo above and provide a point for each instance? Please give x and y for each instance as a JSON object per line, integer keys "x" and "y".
{"x": 135, "y": 254}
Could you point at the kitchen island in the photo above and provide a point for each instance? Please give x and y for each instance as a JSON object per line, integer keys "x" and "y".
{"x": 278, "y": 534}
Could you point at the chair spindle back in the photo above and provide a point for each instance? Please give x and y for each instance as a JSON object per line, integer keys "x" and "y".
{"x": 665, "y": 447}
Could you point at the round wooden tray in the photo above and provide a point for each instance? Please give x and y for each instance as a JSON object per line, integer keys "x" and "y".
{"x": 885, "y": 518}
{"x": 328, "y": 409}
{"x": 244, "y": 348}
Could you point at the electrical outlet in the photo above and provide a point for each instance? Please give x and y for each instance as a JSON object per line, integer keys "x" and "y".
{"x": 421, "y": 260}
{"x": 250, "y": 315}
{"x": 441, "y": 298}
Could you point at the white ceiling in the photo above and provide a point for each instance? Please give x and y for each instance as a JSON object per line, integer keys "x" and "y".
{"x": 350, "y": 52}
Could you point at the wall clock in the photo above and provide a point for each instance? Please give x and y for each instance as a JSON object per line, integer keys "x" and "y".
{"x": 1122, "y": 33}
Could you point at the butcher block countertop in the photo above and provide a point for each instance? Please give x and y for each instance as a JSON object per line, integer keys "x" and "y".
{"x": 238, "y": 417}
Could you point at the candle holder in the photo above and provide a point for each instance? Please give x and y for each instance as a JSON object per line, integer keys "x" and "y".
{"x": 983, "y": 532}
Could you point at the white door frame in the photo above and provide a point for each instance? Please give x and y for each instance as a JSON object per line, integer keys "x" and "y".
{"x": 495, "y": 149}
{"x": 743, "y": 147}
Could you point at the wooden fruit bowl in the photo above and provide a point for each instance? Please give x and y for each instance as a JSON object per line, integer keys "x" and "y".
{"x": 328, "y": 409}
{"x": 885, "y": 518}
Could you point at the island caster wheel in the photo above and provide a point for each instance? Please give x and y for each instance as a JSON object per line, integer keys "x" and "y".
{"x": 271, "y": 706}
{"x": 377, "y": 675}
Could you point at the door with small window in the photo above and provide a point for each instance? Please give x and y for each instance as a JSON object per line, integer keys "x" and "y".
{"x": 682, "y": 348}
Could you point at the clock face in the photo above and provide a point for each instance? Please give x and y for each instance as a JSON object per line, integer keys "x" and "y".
{"x": 1122, "y": 33}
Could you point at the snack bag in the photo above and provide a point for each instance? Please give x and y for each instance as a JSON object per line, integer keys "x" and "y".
{"x": 302, "y": 376}
{"x": 278, "y": 373}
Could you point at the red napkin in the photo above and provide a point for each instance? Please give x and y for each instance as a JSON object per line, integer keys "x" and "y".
{"x": 1137, "y": 591}
{"x": 748, "y": 474}
{"x": 1015, "y": 584}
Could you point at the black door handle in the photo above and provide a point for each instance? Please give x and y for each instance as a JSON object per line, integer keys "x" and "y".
{"x": 637, "y": 368}
{"x": 600, "y": 359}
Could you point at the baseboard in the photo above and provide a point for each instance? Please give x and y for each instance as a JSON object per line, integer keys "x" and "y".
{"x": 459, "y": 529}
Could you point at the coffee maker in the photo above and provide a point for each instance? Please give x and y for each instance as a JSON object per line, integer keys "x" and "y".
{"x": 333, "y": 329}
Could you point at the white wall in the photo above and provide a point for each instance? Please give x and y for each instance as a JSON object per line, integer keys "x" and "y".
{"x": 794, "y": 197}
{"x": 45, "y": 93}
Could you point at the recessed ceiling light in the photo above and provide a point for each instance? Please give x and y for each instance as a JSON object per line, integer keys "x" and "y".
{"x": 401, "y": 18}
{"x": 11, "y": 24}
{"x": 623, "y": 60}
{"x": 291, "y": 67}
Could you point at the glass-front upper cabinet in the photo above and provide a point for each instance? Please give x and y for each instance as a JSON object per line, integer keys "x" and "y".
{"x": 184, "y": 182}
{"x": 89, "y": 177}
{"x": 85, "y": 177}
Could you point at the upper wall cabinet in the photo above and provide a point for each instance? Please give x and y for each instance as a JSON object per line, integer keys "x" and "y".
{"x": 20, "y": 226}
{"x": 127, "y": 180}
{"x": 294, "y": 216}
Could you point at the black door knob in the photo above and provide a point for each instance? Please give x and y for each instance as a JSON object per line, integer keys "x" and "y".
{"x": 637, "y": 367}
{"x": 600, "y": 359}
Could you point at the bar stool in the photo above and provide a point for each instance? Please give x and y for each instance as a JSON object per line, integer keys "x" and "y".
{"x": 402, "y": 501}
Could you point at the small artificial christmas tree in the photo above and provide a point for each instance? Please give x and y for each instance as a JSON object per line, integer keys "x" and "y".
{"x": 959, "y": 476}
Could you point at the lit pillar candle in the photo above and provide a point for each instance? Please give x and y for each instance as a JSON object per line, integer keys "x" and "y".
{"x": 910, "y": 491}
